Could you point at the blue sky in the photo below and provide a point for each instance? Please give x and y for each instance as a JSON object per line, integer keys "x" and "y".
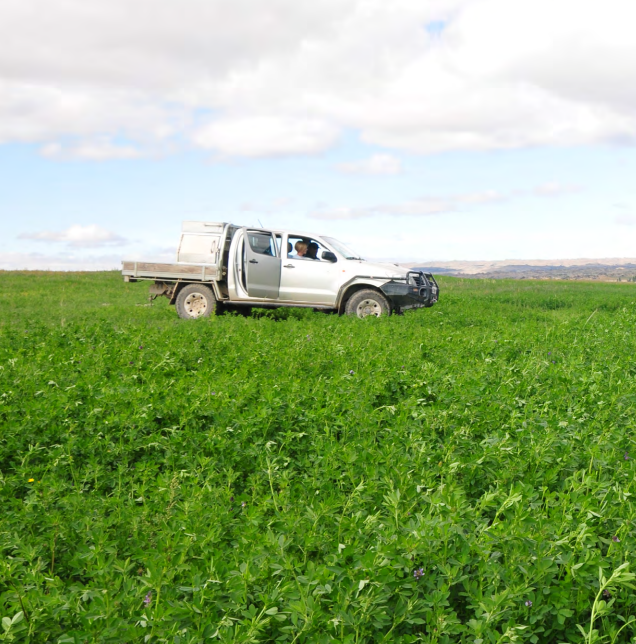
{"x": 409, "y": 143}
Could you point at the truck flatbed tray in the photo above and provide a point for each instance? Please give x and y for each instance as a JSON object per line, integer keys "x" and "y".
{"x": 151, "y": 270}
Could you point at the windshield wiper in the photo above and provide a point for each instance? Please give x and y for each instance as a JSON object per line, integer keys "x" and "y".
{"x": 360, "y": 258}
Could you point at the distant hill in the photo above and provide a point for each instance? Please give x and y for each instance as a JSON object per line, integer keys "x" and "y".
{"x": 608, "y": 270}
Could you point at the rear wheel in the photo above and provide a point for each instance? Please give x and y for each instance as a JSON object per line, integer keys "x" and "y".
{"x": 195, "y": 301}
{"x": 366, "y": 303}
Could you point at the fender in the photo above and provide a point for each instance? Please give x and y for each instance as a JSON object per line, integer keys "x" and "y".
{"x": 358, "y": 280}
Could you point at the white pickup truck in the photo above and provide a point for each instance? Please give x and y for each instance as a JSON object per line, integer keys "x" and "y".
{"x": 220, "y": 264}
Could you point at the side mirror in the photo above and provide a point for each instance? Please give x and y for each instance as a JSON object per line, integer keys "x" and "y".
{"x": 329, "y": 256}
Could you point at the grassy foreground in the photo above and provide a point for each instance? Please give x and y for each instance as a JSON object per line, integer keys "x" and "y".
{"x": 463, "y": 473}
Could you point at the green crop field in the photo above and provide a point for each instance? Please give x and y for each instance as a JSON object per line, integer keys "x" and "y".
{"x": 463, "y": 473}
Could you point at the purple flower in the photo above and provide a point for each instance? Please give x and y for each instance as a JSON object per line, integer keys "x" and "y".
{"x": 148, "y": 598}
{"x": 528, "y": 603}
{"x": 418, "y": 573}
{"x": 231, "y": 498}
{"x": 554, "y": 362}
{"x": 607, "y": 594}
{"x": 549, "y": 353}
{"x": 615, "y": 539}
{"x": 141, "y": 346}
{"x": 626, "y": 456}
{"x": 351, "y": 372}
{"x": 130, "y": 362}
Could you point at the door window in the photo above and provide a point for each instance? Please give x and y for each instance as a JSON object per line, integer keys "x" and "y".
{"x": 306, "y": 248}
{"x": 262, "y": 243}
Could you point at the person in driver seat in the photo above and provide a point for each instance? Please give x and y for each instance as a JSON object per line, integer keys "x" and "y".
{"x": 312, "y": 250}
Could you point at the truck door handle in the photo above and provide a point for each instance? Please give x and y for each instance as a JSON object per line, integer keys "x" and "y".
{"x": 289, "y": 266}
{"x": 253, "y": 261}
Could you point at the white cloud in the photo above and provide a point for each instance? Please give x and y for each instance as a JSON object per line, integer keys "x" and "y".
{"x": 375, "y": 164}
{"x": 415, "y": 208}
{"x": 78, "y": 236}
{"x": 258, "y": 136}
{"x": 431, "y": 205}
{"x": 44, "y": 111}
{"x": 284, "y": 77}
{"x": 555, "y": 189}
{"x": 625, "y": 220}
{"x": 98, "y": 149}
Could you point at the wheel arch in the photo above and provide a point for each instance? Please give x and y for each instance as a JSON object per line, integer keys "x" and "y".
{"x": 351, "y": 289}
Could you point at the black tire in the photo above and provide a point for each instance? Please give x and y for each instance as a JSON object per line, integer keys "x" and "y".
{"x": 195, "y": 301}
{"x": 367, "y": 302}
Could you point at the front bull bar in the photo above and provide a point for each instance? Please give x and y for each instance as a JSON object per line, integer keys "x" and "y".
{"x": 419, "y": 289}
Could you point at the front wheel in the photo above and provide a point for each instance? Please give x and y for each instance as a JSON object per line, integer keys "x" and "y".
{"x": 195, "y": 301}
{"x": 366, "y": 303}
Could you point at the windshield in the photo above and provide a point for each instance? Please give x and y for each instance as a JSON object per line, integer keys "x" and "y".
{"x": 347, "y": 253}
